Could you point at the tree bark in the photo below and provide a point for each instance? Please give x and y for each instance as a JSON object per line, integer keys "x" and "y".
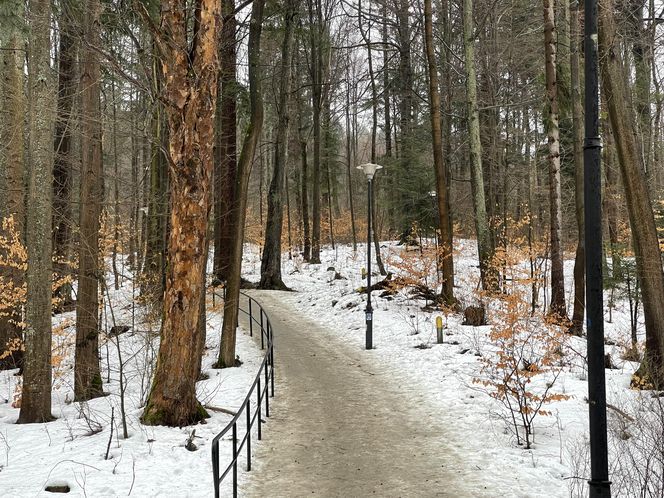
{"x": 271, "y": 260}
{"x": 12, "y": 190}
{"x": 227, "y": 347}
{"x": 577, "y": 127}
{"x": 154, "y": 265}
{"x": 639, "y": 207}
{"x": 557, "y": 307}
{"x": 445, "y": 258}
{"x": 406, "y": 157}
{"x": 87, "y": 375}
{"x": 36, "y": 396}
{"x": 64, "y": 161}
{"x": 225, "y": 169}
{"x": 317, "y": 31}
{"x": 190, "y": 92}
{"x": 386, "y": 87}
{"x": 484, "y": 246}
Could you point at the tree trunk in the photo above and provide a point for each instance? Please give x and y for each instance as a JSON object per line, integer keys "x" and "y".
{"x": 36, "y": 396}
{"x": 642, "y": 221}
{"x": 557, "y": 307}
{"x": 225, "y": 169}
{"x": 64, "y": 161}
{"x": 406, "y": 111}
{"x": 317, "y": 31}
{"x": 87, "y": 375}
{"x": 386, "y": 87}
{"x": 445, "y": 258}
{"x": 227, "y": 347}
{"x": 577, "y": 127}
{"x": 349, "y": 176}
{"x": 190, "y": 91}
{"x": 484, "y": 247}
{"x": 154, "y": 266}
{"x": 271, "y": 260}
{"x": 12, "y": 190}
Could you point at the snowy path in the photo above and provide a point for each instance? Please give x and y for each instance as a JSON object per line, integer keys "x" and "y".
{"x": 341, "y": 426}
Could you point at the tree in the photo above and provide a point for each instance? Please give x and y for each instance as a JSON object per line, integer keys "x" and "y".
{"x": 484, "y": 245}
{"x": 225, "y": 159}
{"x": 577, "y": 126}
{"x": 317, "y": 31}
{"x": 227, "y": 346}
{"x": 87, "y": 375}
{"x": 36, "y": 396}
{"x": 557, "y": 308}
{"x": 63, "y": 165}
{"x": 190, "y": 68}
{"x": 641, "y": 218}
{"x": 271, "y": 260}
{"x": 12, "y": 188}
{"x": 446, "y": 262}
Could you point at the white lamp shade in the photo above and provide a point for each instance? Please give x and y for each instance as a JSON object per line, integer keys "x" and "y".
{"x": 369, "y": 169}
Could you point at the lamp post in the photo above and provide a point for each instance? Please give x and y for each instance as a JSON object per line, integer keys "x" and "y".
{"x": 369, "y": 169}
{"x": 599, "y": 484}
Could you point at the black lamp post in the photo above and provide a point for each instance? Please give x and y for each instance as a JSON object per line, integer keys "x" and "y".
{"x": 599, "y": 484}
{"x": 369, "y": 169}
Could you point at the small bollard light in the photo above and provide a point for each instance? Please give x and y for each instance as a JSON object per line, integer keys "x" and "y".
{"x": 439, "y": 328}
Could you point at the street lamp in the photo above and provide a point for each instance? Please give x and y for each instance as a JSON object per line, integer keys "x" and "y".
{"x": 369, "y": 169}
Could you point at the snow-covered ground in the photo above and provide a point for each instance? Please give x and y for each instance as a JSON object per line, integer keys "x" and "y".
{"x": 153, "y": 461}
{"x": 405, "y": 342}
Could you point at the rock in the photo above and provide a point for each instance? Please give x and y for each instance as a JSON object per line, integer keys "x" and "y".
{"x": 474, "y": 315}
{"x": 608, "y": 362}
{"x": 119, "y": 329}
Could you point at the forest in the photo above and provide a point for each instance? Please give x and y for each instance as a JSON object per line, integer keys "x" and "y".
{"x": 162, "y": 160}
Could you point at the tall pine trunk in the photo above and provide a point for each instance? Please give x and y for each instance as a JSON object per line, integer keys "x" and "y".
{"x": 484, "y": 246}
{"x": 87, "y": 375}
{"x": 271, "y": 260}
{"x": 557, "y": 307}
{"x": 227, "y": 346}
{"x": 316, "y": 37}
{"x": 12, "y": 189}
{"x": 639, "y": 207}
{"x": 36, "y": 396}
{"x": 64, "y": 162}
{"x": 225, "y": 160}
{"x": 577, "y": 126}
{"x": 445, "y": 259}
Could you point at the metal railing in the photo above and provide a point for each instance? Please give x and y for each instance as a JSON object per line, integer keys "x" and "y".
{"x": 261, "y": 391}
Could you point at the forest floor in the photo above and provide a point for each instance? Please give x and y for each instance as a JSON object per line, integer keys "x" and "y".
{"x": 410, "y": 414}
{"x": 152, "y": 461}
{"x": 405, "y": 419}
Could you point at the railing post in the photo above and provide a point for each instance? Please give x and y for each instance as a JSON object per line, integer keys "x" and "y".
{"x": 251, "y": 321}
{"x": 258, "y": 404}
{"x": 262, "y": 331}
{"x": 215, "y": 467}
{"x": 248, "y": 410}
{"x": 267, "y": 394}
{"x": 235, "y": 460}
{"x": 272, "y": 370}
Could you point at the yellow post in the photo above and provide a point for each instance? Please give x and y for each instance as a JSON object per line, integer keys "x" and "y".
{"x": 439, "y": 328}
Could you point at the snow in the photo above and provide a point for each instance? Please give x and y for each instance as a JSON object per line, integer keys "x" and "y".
{"x": 154, "y": 462}
{"x": 405, "y": 344}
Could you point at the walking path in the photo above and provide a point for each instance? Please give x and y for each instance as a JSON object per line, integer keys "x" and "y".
{"x": 342, "y": 425}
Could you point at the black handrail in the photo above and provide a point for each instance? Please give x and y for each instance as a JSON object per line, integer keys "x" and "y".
{"x": 266, "y": 372}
